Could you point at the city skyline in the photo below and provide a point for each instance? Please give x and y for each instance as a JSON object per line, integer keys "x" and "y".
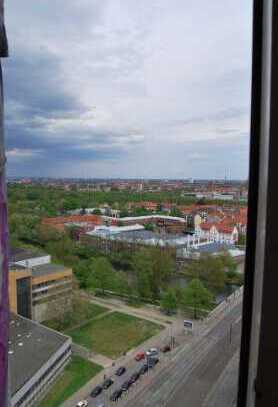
{"x": 119, "y": 90}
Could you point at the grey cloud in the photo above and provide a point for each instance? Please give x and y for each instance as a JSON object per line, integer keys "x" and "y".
{"x": 160, "y": 83}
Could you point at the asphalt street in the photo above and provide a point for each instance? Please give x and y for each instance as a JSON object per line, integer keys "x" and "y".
{"x": 184, "y": 377}
{"x": 190, "y": 375}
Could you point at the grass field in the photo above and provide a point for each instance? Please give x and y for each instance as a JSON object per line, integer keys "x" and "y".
{"x": 77, "y": 373}
{"x": 114, "y": 334}
{"x": 82, "y": 311}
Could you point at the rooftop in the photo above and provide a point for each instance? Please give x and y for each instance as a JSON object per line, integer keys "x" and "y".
{"x": 48, "y": 268}
{"x": 140, "y": 235}
{"x": 19, "y": 254}
{"x": 30, "y": 346}
{"x": 109, "y": 230}
{"x": 150, "y": 217}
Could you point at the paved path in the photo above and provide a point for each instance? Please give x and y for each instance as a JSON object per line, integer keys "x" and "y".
{"x": 149, "y": 313}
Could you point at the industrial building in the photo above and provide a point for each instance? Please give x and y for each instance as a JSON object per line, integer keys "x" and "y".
{"x": 37, "y": 356}
{"x": 133, "y": 237}
{"x": 38, "y": 289}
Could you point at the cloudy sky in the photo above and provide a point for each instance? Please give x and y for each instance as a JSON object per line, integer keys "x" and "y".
{"x": 128, "y": 88}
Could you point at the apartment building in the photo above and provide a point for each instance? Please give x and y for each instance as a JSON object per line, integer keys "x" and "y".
{"x": 38, "y": 289}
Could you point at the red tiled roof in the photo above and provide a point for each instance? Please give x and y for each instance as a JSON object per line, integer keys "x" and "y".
{"x": 207, "y": 225}
{"x": 225, "y": 229}
{"x": 59, "y": 221}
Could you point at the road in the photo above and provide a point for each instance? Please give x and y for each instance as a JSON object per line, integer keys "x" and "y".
{"x": 191, "y": 374}
{"x": 188, "y": 375}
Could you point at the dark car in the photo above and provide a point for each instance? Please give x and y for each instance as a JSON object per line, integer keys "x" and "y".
{"x": 165, "y": 348}
{"x": 107, "y": 383}
{"x": 116, "y": 395}
{"x": 97, "y": 390}
{"x": 120, "y": 371}
{"x": 126, "y": 385}
{"x": 134, "y": 377}
{"x": 152, "y": 362}
{"x": 143, "y": 369}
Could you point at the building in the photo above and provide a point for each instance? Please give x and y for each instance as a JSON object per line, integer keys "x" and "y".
{"x": 133, "y": 237}
{"x": 37, "y": 356}
{"x": 168, "y": 224}
{"x": 211, "y": 248}
{"x": 217, "y": 232}
{"x": 59, "y": 222}
{"x": 38, "y": 289}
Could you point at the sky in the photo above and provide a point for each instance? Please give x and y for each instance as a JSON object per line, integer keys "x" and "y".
{"x": 128, "y": 88}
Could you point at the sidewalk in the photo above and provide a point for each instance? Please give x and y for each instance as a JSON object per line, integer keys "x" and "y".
{"x": 147, "y": 312}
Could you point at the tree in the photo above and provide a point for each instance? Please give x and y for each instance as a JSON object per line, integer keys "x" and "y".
{"x": 102, "y": 273}
{"x": 241, "y": 239}
{"x": 196, "y": 297}
{"x": 47, "y": 234}
{"x": 152, "y": 268}
{"x": 62, "y": 249}
{"x": 23, "y": 227}
{"x": 82, "y": 272}
{"x": 162, "y": 269}
{"x": 149, "y": 226}
{"x": 169, "y": 301}
{"x": 175, "y": 212}
{"x": 210, "y": 269}
{"x": 124, "y": 213}
{"x": 96, "y": 211}
{"x": 142, "y": 266}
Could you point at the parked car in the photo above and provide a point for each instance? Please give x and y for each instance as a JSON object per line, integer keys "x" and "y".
{"x": 120, "y": 371}
{"x": 152, "y": 362}
{"x": 82, "y": 403}
{"x": 165, "y": 348}
{"x": 139, "y": 356}
{"x": 134, "y": 377}
{"x": 152, "y": 352}
{"x": 97, "y": 390}
{"x": 126, "y": 385}
{"x": 107, "y": 383}
{"x": 143, "y": 369}
{"x": 116, "y": 395}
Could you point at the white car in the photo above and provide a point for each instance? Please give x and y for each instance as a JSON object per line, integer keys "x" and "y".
{"x": 82, "y": 403}
{"x": 152, "y": 352}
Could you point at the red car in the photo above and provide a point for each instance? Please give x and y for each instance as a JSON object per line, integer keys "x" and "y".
{"x": 140, "y": 356}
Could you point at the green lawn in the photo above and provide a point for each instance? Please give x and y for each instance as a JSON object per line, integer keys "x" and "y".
{"x": 77, "y": 373}
{"x": 82, "y": 311}
{"x": 114, "y": 334}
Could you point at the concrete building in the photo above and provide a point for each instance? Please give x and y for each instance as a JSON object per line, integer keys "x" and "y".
{"x": 37, "y": 356}
{"x": 38, "y": 289}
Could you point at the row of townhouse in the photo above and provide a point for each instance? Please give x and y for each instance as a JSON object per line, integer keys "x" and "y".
{"x": 217, "y": 232}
